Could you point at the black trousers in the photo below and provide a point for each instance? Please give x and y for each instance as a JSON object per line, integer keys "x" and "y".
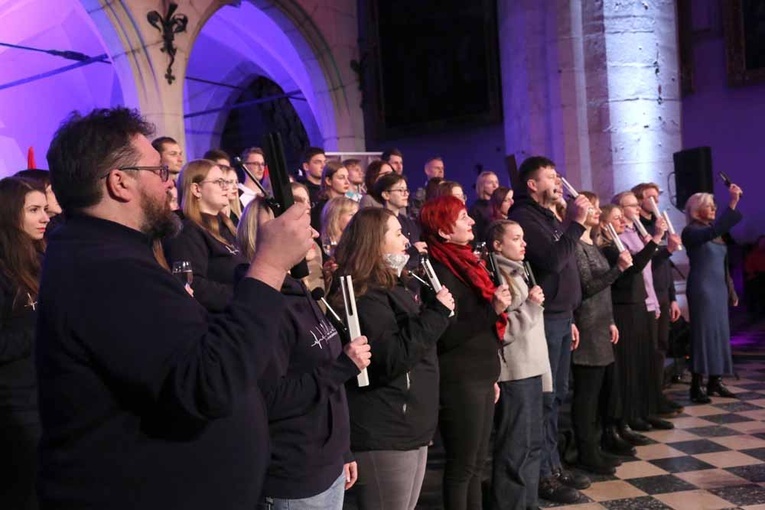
{"x": 662, "y": 342}
{"x": 18, "y": 465}
{"x": 465, "y": 421}
{"x": 592, "y": 404}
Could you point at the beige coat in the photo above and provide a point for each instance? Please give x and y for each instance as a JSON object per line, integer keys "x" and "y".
{"x": 524, "y": 351}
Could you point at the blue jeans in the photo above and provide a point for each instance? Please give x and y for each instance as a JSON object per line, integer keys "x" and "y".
{"x": 558, "y": 334}
{"x": 330, "y": 499}
{"x": 517, "y": 445}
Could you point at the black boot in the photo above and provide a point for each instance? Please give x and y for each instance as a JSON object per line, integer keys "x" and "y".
{"x": 633, "y": 437}
{"x": 715, "y": 385}
{"x": 698, "y": 395}
{"x": 592, "y": 461}
{"x": 659, "y": 424}
{"x": 640, "y": 425}
{"x": 613, "y": 442}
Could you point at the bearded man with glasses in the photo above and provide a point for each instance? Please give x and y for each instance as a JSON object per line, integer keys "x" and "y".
{"x": 146, "y": 400}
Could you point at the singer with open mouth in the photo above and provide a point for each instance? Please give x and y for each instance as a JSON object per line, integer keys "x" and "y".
{"x": 393, "y": 419}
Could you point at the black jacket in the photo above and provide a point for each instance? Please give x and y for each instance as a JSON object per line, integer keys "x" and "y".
{"x": 629, "y": 288}
{"x": 411, "y": 229}
{"x": 399, "y": 408}
{"x": 18, "y": 387}
{"x": 468, "y": 351}
{"x": 480, "y": 211}
{"x": 661, "y": 267}
{"x": 213, "y": 263}
{"x": 551, "y": 253}
{"x": 145, "y": 399}
{"x": 313, "y": 190}
{"x": 307, "y": 409}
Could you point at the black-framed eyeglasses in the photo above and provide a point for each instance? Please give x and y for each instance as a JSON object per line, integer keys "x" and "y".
{"x": 223, "y": 183}
{"x": 403, "y": 191}
{"x": 163, "y": 171}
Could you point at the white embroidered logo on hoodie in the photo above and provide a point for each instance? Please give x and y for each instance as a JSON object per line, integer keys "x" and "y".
{"x": 322, "y": 333}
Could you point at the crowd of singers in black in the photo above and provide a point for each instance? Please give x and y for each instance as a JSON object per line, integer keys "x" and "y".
{"x": 155, "y": 352}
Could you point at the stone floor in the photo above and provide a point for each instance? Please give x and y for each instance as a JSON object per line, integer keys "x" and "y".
{"x": 713, "y": 459}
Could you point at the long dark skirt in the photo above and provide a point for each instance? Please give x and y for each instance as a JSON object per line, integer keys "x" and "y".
{"x": 635, "y": 361}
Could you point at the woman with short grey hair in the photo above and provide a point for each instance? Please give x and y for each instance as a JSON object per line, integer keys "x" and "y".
{"x": 709, "y": 291}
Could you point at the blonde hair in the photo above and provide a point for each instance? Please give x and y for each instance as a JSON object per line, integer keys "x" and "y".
{"x": 605, "y": 212}
{"x": 696, "y": 202}
{"x": 255, "y": 214}
{"x": 481, "y": 180}
{"x": 617, "y": 200}
{"x": 234, "y": 203}
{"x": 194, "y": 173}
{"x": 330, "y": 216}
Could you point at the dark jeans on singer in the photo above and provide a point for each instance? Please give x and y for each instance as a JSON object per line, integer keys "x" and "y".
{"x": 517, "y": 445}
{"x": 558, "y": 335}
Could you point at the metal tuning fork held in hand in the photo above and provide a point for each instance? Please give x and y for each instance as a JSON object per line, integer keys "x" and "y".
{"x": 615, "y": 238}
{"x": 670, "y": 227}
{"x": 282, "y": 198}
{"x": 491, "y": 259}
{"x": 352, "y": 319}
{"x": 726, "y": 180}
{"x": 529, "y": 274}
{"x": 569, "y": 187}
{"x": 432, "y": 277}
{"x": 655, "y": 208}
{"x": 574, "y": 194}
{"x": 639, "y": 227}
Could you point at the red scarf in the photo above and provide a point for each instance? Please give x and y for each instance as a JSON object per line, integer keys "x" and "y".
{"x": 471, "y": 271}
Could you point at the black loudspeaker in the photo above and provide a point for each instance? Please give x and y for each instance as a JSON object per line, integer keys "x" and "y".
{"x": 693, "y": 174}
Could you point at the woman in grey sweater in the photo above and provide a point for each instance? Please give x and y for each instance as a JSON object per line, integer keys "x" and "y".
{"x": 593, "y": 361}
{"x": 524, "y": 375}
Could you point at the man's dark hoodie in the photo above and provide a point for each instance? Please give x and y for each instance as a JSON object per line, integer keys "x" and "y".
{"x": 550, "y": 251}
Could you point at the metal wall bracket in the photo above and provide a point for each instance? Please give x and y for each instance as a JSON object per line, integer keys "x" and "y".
{"x": 169, "y": 25}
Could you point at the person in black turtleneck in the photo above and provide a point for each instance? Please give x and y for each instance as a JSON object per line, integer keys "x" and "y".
{"x": 23, "y": 221}
{"x": 663, "y": 284}
{"x": 311, "y": 464}
{"x": 314, "y": 161}
{"x": 551, "y": 253}
{"x": 481, "y": 210}
{"x": 208, "y": 238}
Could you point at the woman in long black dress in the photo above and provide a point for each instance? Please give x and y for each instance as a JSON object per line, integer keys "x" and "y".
{"x": 634, "y": 355}
{"x": 593, "y": 360}
{"x": 23, "y": 221}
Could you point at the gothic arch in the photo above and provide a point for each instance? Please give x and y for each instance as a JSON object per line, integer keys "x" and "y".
{"x": 284, "y": 44}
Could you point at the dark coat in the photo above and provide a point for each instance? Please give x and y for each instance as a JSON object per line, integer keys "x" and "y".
{"x": 146, "y": 400}
{"x": 399, "y": 408}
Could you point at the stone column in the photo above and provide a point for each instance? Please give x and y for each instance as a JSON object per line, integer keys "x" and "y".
{"x": 643, "y": 90}
{"x": 593, "y": 84}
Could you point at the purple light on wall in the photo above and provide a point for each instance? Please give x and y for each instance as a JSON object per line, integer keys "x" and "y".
{"x": 30, "y": 113}
{"x": 236, "y": 45}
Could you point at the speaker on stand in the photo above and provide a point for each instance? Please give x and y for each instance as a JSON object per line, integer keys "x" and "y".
{"x": 693, "y": 174}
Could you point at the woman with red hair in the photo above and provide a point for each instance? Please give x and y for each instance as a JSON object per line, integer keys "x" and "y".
{"x": 468, "y": 350}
